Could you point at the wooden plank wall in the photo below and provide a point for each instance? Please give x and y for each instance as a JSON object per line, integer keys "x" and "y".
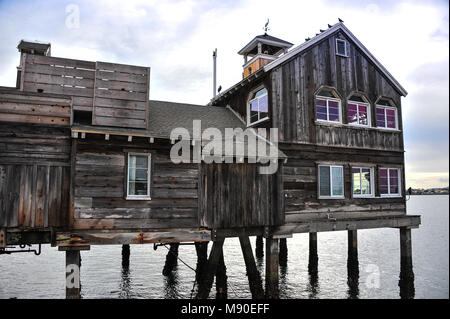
{"x": 34, "y": 175}
{"x": 295, "y": 82}
{"x": 100, "y": 186}
{"x": 236, "y": 195}
{"x": 301, "y": 188}
{"x": 16, "y": 106}
{"x": 121, "y": 95}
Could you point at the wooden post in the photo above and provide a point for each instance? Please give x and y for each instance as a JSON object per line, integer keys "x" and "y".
{"x": 406, "y": 283}
{"x": 221, "y": 279}
{"x": 283, "y": 252}
{"x": 313, "y": 257}
{"x": 272, "y": 263}
{"x": 171, "y": 259}
{"x": 125, "y": 256}
{"x": 353, "y": 264}
{"x": 207, "y": 278}
{"x": 73, "y": 283}
{"x": 259, "y": 250}
{"x": 254, "y": 277}
{"x": 202, "y": 258}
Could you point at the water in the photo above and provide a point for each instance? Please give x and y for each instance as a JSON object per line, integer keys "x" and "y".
{"x": 30, "y": 276}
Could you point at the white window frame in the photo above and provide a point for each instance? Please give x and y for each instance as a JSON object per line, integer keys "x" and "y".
{"x": 345, "y": 46}
{"x": 385, "y": 120}
{"x": 139, "y": 197}
{"x": 399, "y": 194}
{"x": 328, "y": 113}
{"x": 249, "y": 107}
{"x": 331, "y": 196}
{"x": 357, "y": 110}
{"x": 372, "y": 183}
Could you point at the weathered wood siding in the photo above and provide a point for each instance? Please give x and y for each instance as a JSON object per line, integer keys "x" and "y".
{"x": 34, "y": 175}
{"x": 236, "y": 195}
{"x": 295, "y": 82}
{"x": 100, "y": 187}
{"x": 301, "y": 187}
{"x": 117, "y": 94}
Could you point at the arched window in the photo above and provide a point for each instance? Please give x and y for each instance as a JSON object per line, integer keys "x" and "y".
{"x": 328, "y": 106}
{"x": 358, "y": 110}
{"x": 387, "y": 116}
{"x": 258, "y": 107}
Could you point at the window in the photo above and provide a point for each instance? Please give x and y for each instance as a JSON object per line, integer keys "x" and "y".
{"x": 341, "y": 47}
{"x": 258, "y": 107}
{"x": 331, "y": 181}
{"x": 328, "y": 106}
{"x": 389, "y": 181}
{"x": 358, "y": 111}
{"x": 138, "y": 180}
{"x": 386, "y": 115}
{"x": 362, "y": 181}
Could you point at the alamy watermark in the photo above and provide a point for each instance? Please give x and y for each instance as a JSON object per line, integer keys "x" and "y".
{"x": 235, "y": 145}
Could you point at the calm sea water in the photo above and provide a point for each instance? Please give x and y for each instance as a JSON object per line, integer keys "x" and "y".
{"x": 30, "y": 276}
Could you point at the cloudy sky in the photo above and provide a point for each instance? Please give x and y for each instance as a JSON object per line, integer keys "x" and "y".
{"x": 176, "y": 39}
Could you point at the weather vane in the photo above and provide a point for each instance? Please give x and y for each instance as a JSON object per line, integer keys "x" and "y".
{"x": 266, "y": 26}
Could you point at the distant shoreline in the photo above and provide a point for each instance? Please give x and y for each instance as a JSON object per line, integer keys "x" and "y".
{"x": 430, "y": 191}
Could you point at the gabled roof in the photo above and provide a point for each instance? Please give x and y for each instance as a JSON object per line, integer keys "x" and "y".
{"x": 267, "y": 39}
{"x": 341, "y": 27}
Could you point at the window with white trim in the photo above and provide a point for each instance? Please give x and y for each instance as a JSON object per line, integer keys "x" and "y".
{"x": 341, "y": 47}
{"x": 389, "y": 182}
{"x": 362, "y": 181}
{"x": 328, "y": 106}
{"x": 138, "y": 177}
{"x": 387, "y": 116}
{"x": 358, "y": 111}
{"x": 258, "y": 107}
{"x": 331, "y": 181}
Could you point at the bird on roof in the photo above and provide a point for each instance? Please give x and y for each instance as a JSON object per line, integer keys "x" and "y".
{"x": 340, "y": 20}
{"x": 219, "y": 89}
{"x": 329, "y": 25}
{"x": 321, "y": 30}
{"x": 307, "y": 39}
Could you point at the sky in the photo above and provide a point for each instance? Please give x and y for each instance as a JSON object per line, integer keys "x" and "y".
{"x": 177, "y": 38}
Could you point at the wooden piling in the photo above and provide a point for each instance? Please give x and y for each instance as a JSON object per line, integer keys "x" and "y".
{"x": 221, "y": 279}
{"x": 254, "y": 277}
{"x": 406, "y": 282}
{"x": 283, "y": 252}
{"x": 353, "y": 265}
{"x": 207, "y": 278}
{"x": 125, "y": 256}
{"x": 272, "y": 264}
{"x": 202, "y": 258}
{"x": 259, "y": 250}
{"x": 171, "y": 259}
{"x": 73, "y": 282}
{"x": 313, "y": 261}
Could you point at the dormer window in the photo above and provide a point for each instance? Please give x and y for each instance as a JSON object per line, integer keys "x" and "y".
{"x": 387, "y": 116}
{"x": 358, "y": 111}
{"x": 341, "y": 47}
{"x": 258, "y": 107}
{"x": 328, "y": 106}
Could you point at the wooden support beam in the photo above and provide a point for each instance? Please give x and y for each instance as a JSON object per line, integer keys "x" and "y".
{"x": 254, "y": 277}
{"x": 406, "y": 283}
{"x": 353, "y": 265}
{"x": 283, "y": 252}
{"x": 206, "y": 280}
{"x": 221, "y": 279}
{"x": 272, "y": 263}
{"x": 73, "y": 283}
{"x": 171, "y": 259}
{"x": 313, "y": 261}
{"x": 202, "y": 258}
{"x": 125, "y": 256}
{"x": 259, "y": 250}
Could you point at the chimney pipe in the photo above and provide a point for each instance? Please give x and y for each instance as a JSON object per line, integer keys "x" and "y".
{"x": 214, "y": 72}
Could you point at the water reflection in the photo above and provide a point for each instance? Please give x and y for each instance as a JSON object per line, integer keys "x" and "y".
{"x": 171, "y": 285}
{"x": 353, "y": 275}
{"x": 125, "y": 284}
{"x": 313, "y": 274}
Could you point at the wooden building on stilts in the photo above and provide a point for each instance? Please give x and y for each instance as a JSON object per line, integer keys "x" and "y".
{"x": 87, "y": 158}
